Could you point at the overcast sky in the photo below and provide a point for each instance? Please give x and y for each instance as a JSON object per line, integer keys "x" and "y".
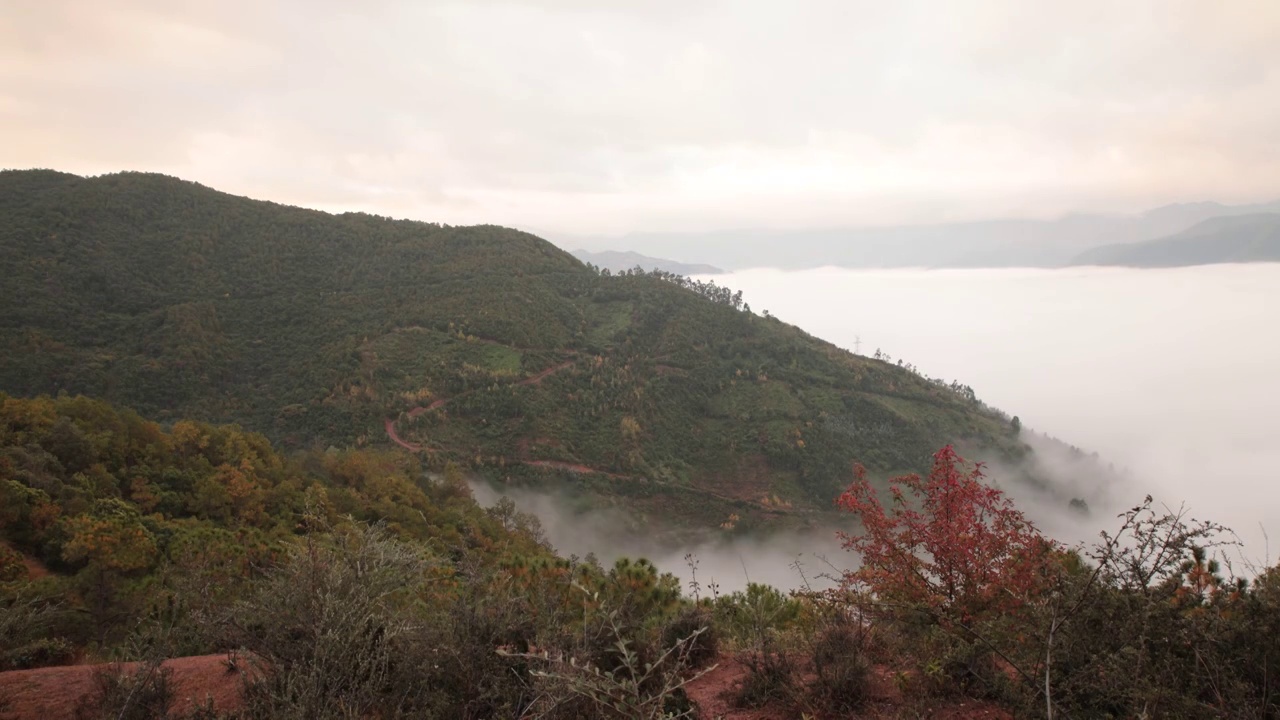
{"x": 597, "y": 116}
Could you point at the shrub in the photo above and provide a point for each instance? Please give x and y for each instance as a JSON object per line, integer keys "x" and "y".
{"x": 635, "y": 690}
{"x": 12, "y": 566}
{"x": 841, "y": 667}
{"x": 1153, "y": 628}
{"x": 698, "y": 624}
{"x": 770, "y": 678}
{"x": 963, "y": 554}
{"x": 26, "y": 626}
{"x": 41, "y": 652}
{"x": 453, "y": 655}
{"x": 328, "y": 622}
{"x": 144, "y": 694}
{"x": 750, "y": 617}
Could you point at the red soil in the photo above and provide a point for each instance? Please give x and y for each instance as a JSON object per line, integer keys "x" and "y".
{"x": 49, "y": 693}
{"x": 426, "y": 408}
{"x": 35, "y": 568}
{"x": 395, "y": 437}
{"x": 578, "y": 469}
{"x": 543, "y": 375}
{"x": 712, "y": 692}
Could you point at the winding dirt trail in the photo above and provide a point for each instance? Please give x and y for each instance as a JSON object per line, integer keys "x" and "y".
{"x": 577, "y": 469}
{"x": 426, "y": 408}
{"x": 536, "y": 379}
{"x": 390, "y": 423}
{"x": 395, "y": 437}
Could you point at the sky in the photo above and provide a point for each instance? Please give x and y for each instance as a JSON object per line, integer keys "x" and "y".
{"x": 587, "y": 117}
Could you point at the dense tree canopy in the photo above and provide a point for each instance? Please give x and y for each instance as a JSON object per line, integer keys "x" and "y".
{"x": 317, "y": 329}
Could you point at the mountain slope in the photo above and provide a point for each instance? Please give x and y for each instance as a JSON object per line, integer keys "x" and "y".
{"x": 989, "y": 243}
{"x": 617, "y": 261}
{"x": 482, "y": 345}
{"x": 1230, "y": 239}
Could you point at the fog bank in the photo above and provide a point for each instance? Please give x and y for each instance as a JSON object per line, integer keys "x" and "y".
{"x": 729, "y": 563}
{"x": 1171, "y": 373}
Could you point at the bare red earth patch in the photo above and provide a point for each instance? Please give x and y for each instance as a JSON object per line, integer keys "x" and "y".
{"x": 55, "y": 692}
{"x": 35, "y": 568}
{"x": 713, "y": 694}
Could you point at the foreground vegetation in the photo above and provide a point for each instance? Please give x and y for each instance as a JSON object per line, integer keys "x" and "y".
{"x": 482, "y": 346}
{"x": 353, "y": 584}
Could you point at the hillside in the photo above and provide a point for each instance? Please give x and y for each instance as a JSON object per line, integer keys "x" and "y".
{"x": 197, "y": 572}
{"x": 482, "y": 345}
{"x": 111, "y": 510}
{"x": 1010, "y": 242}
{"x": 616, "y": 261}
{"x": 1231, "y": 239}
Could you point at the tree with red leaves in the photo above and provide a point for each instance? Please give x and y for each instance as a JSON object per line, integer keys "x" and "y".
{"x": 948, "y": 544}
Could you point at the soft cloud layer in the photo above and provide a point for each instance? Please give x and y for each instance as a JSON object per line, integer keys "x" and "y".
{"x": 578, "y": 117}
{"x": 1170, "y": 373}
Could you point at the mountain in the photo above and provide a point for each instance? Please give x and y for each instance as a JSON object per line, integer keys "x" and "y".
{"x": 1228, "y": 239}
{"x": 990, "y": 243}
{"x": 615, "y": 261}
{"x": 481, "y": 345}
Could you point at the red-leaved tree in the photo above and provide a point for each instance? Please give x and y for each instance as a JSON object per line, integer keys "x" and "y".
{"x": 948, "y": 544}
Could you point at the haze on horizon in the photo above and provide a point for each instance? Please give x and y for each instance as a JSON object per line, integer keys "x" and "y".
{"x": 567, "y": 117}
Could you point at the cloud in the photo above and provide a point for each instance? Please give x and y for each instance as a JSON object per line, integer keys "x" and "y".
{"x": 576, "y": 116}
{"x": 788, "y": 559}
{"x": 1175, "y": 386}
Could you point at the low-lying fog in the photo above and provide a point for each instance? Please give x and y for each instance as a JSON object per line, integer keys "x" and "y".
{"x": 1172, "y": 373}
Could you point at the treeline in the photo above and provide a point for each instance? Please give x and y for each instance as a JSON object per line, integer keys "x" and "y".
{"x": 708, "y": 289}
{"x": 348, "y": 583}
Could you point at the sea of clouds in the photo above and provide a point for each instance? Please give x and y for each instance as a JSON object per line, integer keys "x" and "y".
{"x": 1172, "y": 375}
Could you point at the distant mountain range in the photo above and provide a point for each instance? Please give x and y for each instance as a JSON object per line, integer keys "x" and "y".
{"x": 991, "y": 243}
{"x": 1226, "y": 239}
{"x": 615, "y": 261}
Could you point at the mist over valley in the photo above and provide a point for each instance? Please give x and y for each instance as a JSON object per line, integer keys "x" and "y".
{"x": 1169, "y": 374}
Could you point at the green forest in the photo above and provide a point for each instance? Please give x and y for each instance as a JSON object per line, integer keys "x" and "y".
{"x": 481, "y": 346}
{"x": 236, "y": 429}
{"x": 352, "y": 583}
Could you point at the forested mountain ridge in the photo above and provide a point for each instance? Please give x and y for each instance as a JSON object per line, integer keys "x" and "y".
{"x": 483, "y": 345}
{"x": 1009, "y": 242}
{"x": 1229, "y": 239}
{"x": 617, "y": 261}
